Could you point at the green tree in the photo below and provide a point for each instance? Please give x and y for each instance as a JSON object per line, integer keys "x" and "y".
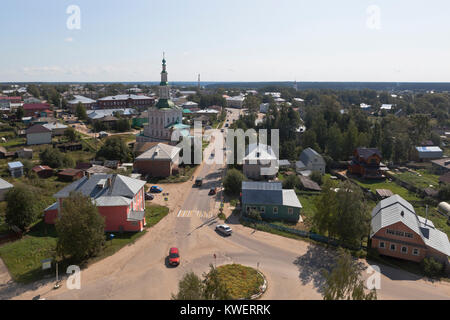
{"x": 325, "y": 210}
{"x": 21, "y": 207}
{"x": 55, "y": 159}
{"x": 291, "y": 182}
{"x": 81, "y": 111}
{"x": 344, "y": 283}
{"x": 80, "y": 228}
{"x": 190, "y": 287}
{"x": 215, "y": 289}
{"x": 71, "y": 134}
{"x": 20, "y": 113}
{"x": 317, "y": 177}
{"x": 115, "y": 148}
{"x": 233, "y": 182}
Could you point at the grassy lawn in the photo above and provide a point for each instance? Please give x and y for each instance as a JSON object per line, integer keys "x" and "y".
{"x": 386, "y": 184}
{"x": 154, "y": 214}
{"x": 423, "y": 181}
{"x": 23, "y": 257}
{"x": 241, "y": 281}
{"x": 308, "y": 208}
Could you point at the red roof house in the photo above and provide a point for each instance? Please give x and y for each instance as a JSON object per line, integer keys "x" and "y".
{"x": 31, "y": 108}
{"x": 119, "y": 199}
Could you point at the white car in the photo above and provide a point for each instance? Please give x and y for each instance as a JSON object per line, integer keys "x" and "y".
{"x": 224, "y": 229}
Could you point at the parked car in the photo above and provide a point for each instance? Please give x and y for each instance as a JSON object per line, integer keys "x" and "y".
{"x": 198, "y": 182}
{"x": 224, "y": 229}
{"x": 212, "y": 191}
{"x": 174, "y": 257}
{"x": 155, "y": 189}
{"x": 226, "y": 125}
{"x": 149, "y": 196}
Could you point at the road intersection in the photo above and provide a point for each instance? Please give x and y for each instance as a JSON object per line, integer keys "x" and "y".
{"x": 292, "y": 267}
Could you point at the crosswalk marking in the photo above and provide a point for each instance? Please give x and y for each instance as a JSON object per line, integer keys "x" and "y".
{"x": 191, "y": 213}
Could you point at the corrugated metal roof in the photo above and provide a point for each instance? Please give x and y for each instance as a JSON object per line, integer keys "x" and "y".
{"x": 254, "y": 185}
{"x": 5, "y": 184}
{"x": 15, "y": 165}
{"x": 121, "y": 186}
{"x": 396, "y": 209}
{"x": 161, "y": 151}
{"x": 429, "y": 149}
{"x": 290, "y": 199}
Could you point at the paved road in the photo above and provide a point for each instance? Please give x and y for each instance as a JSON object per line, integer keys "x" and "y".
{"x": 293, "y": 268}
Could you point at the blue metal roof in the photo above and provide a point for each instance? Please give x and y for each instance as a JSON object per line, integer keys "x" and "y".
{"x": 15, "y": 165}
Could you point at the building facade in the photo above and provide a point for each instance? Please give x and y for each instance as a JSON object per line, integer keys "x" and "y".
{"x": 119, "y": 199}
{"x": 271, "y": 201}
{"x": 397, "y": 231}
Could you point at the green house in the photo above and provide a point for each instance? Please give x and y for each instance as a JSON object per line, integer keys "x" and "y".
{"x": 272, "y": 202}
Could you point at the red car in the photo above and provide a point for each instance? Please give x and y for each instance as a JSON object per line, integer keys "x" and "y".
{"x": 174, "y": 257}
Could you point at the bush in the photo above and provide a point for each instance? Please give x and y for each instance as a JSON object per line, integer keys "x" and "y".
{"x": 291, "y": 182}
{"x": 432, "y": 268}
{"x": 54, "y": 158}
{"x": 316, "y": 176}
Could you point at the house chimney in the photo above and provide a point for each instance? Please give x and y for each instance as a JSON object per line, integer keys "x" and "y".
{"x": 108, "y": 183}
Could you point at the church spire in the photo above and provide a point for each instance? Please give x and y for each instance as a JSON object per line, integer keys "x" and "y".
{"x": 164, "y": 85}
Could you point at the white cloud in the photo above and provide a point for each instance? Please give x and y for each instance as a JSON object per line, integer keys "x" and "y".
{"x": 69, "y": 39}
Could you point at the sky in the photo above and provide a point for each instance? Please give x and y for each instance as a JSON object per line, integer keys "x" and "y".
{"x": 232, "y": 40}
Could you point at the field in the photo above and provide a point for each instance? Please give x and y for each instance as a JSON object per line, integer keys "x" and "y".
{"x": 421, "y": 178}
{"x": 372, "y": 185}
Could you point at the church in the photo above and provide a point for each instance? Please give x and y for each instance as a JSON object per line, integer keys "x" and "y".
{"x": 165, "y": 117}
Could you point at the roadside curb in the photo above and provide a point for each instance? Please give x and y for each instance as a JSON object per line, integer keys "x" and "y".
{"x": 262, "y": 289}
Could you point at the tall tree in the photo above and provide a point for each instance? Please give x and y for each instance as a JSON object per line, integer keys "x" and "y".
{"x": 21, "y": 207}
{"x": 80, "y": 228}
{"x": 344, "y": 282}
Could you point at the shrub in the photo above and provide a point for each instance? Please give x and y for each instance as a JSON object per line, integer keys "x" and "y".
{"x": 316, "y": 176}
{"x": 432, "y": 268}
{"x": 291, "y": 182}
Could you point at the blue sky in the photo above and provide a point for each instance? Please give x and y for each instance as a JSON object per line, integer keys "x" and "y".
{"x": 246, "y": 40}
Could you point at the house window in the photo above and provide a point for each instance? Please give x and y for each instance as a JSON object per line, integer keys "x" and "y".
{"x": 275, "y": 210}
{"x": 393, "y": 247}
{"x": 415, "y": 252}
{"x": 290, "y": 211}
{"x": 382, "y": 245}
{"x": 404, "y": 249}
{"x": 262, "y": 209}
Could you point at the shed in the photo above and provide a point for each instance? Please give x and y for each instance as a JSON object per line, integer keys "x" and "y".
{"x": 43, "y": 171}
{"x": 70, "y": 175}
{"x": 429, "y": 153}
{"x": 38, "y": 134}
{"x": 4, "y": 188}
{"x": 24, "y": 153}
{"x": 16, "y": 169}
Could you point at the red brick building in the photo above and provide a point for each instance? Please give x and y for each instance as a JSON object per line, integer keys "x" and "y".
{"x": 125, "y": 101}
{"x": 31, "y": 109}
{"x": 366, "y": 163}
{"x": 119, "y": 199}
{"x": 160, "y": 161}
{"x": 397, "y": 231}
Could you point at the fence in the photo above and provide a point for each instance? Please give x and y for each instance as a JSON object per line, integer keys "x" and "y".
{"x": 304, "y": 234}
